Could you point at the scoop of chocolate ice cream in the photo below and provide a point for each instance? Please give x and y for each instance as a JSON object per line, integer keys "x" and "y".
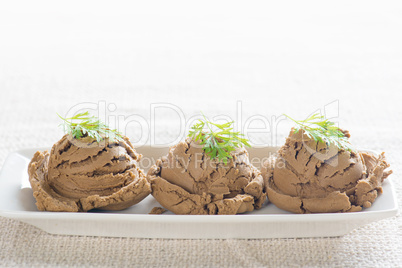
{"x": 308, "y": 176}
{"x": 82, "y": 174}
{"x": 187, "y": 181}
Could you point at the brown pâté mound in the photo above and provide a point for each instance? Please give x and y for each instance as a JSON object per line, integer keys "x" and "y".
{"x": 188, "y": 181}
{"x": 308, "y": 176}
{"x": 83, "y": 174}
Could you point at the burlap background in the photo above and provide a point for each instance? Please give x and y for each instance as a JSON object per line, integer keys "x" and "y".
{"x": 28, "y": 120}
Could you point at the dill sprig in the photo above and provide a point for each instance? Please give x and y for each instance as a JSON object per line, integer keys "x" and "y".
{"x": 218, "y": 139}
{"x": 85, "y": 125}
{"x": 322, "y": 130}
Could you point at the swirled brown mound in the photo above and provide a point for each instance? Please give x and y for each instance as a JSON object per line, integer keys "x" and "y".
{"x": 80, "y": 175}
{"x": 187, "y": 181}
{"x": 310, "y": 177}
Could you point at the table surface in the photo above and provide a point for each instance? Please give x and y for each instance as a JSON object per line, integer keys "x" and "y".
{"x": 268, "y": 59}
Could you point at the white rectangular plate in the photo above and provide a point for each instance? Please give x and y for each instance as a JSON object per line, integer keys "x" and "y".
{"x": 17, "y": 202}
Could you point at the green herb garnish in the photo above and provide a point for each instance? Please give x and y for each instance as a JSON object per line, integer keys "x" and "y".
{"x": 218, "y": 139}
{"x": 320, "y": 129}
{"x": 85, "y": 125}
